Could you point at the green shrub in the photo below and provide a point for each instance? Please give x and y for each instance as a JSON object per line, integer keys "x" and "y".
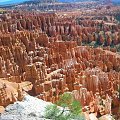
{"x": 69, "y": 109}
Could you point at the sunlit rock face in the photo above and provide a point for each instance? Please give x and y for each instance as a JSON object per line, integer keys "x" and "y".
{"x": 41, "y": 54}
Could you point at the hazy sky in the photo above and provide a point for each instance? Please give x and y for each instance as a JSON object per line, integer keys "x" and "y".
{"x": 2, "y": 2}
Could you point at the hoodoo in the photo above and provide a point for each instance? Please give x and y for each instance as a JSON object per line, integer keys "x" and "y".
{"x": 46, "y": 51}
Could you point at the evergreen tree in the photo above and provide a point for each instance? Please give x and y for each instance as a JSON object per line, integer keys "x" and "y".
{"x": 69, "y": 109}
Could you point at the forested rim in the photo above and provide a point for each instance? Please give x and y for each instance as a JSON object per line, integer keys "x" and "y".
{"x": 118, "y": 17}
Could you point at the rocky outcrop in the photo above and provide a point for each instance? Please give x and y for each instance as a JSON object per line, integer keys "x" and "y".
{"x": 25, "y": 111}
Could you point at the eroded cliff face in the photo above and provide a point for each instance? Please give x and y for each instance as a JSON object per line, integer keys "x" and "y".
{"x": 41, "y": 54}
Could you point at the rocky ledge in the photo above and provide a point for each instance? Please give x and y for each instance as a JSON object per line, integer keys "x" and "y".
{"x": 30, "y": 108}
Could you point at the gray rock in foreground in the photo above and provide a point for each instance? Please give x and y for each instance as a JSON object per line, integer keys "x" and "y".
{"x": 30, "y": 108}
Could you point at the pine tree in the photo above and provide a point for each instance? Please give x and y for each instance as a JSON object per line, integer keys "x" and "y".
{"x": 70, "y": 109}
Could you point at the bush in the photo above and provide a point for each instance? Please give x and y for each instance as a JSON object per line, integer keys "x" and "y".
{"x": 70, "y": 109}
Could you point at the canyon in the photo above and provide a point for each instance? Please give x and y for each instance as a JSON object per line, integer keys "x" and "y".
{"x": 45, "y": 54}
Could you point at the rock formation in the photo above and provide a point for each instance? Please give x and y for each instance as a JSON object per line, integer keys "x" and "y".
{"x": 41, "y": 54}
